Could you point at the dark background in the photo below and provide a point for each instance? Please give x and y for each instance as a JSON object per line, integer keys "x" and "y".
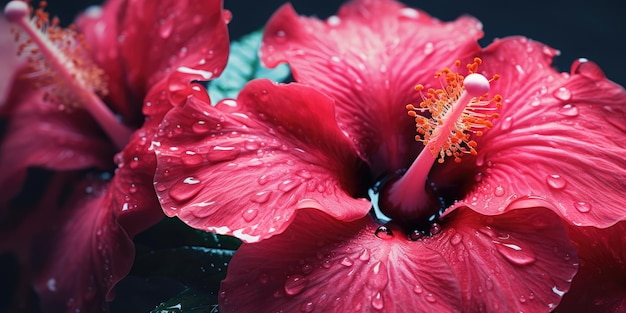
{"x": 592, "y": 29}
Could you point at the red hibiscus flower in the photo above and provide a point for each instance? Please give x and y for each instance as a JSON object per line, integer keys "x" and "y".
{"x": 69, "y": 111}
{"x": 286, "y": 167}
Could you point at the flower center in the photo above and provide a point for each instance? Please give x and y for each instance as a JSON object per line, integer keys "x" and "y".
{"x": 446, "y": 120}
{"x": 61, "y": 66}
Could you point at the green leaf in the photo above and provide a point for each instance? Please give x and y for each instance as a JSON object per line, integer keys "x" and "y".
{"x": 243, "y": 66}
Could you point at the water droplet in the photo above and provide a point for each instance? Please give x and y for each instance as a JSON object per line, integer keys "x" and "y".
{"x": 261, "y": 196}
{"x": 378, "y": 302}
{"x": 582, "y": 207}
{"x": 288, "y": 185}
{"x": 409, "y": 13}
{"x": 430, "y": 298}
{"x": 264, "y": 96}
{"x": 456, "y": 239}
{"x": 383, "y": 232}
{"x": 200, "y": 127}
{"x": 587, "y": 68}
{"x": 304, "y": 174}
{"x": 499, "y": 191}
{"x": 250, "y": 214}
{"x": 507, "y": 123}
{"x": 191, "y": 158}
{"x": 563, "y": 94}
{"x": 556, "y": 181}
{"x": 132, "y": 189}
{"x": 429, "y": 48}
{"x": 415, "y": 235}
{"x": 134, "y": 162}
{"x": 418, "y": 289}
{"x": 252, "y": 145}
{"x": 333, "y": 20}
{"x": 185, "y": 189}
{"x": 365, "y": 255}
{"x": 347, "y": 262}
{"x": 535, "y": 101}
{"x": 435, "y": 228}
{"x": 378, "y": 277}
{"x": 307, "y": 307}
{"x": 264, "y": 278}
{"x": 295, "y": 284}
{"x": 222, "y": 154}
{"x": 514, "y": 253}
{"x": 522, "y": 299}
{"x": 568, "y": 110}
{"x": 166, "y": 27}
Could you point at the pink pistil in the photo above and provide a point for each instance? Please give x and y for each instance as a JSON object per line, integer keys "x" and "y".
{"x": 18, "y": 12}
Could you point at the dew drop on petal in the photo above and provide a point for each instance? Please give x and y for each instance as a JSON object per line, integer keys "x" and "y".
{"x": 587, "y": 68}
{"x": 515, "y": 254}
{"x": 185, "y": 189}
{"x": 264, "y": 278}
{"x": 582, "y": 207}
{"x": 261, "y": 196}
{"x": 506, "y": 124}
{"x": 556, "y": 181}
{"x": 191, "y": 158}
{"x": 222, "y": 154}
{"x": 435, "y": 228}
{"x": 378, "y": 277}
{"x": 289, "y": 185}
{"x": 166, "y": 27}
{"x": 535, "y": 101}
{"x": 498, "y": 191}
{"x": 569, "y": 110}
{"x": 418, "y": 289}
{"x": 378, "y": 302}
{"x": 200, "y": 127}
{"x": 563, "y": 94}
{"x": 383, "y": 232}
{"x": 365, "y": 255}
{"x": 430, "y": 298}
{"x": 295, "y": 284}
{"x": 250, "y": 214}
{"x": 347, "y": 262}
{"x": 415, "y": 235}
{"x": 307, "y": 307}
{"x": 456, "y": 239}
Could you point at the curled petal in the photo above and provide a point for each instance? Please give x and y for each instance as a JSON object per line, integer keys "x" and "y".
{"x": 560, "y": 139}
{"x": 244, "y": 167}
{"x": 368, "y": 58}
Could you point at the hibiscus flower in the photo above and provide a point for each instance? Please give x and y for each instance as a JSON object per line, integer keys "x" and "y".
{"x": 81, "y": 99}
{"x": 287, "y": 168}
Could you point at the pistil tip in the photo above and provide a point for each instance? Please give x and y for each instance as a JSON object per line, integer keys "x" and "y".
{"x": 476, "y": 85}
{"x": 16, "y": 10}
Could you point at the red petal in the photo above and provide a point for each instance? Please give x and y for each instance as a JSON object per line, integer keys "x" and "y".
{"x": 101, "y": 32}
{"x": 599, "y": 285}
{"x": 324, "y": 265}
{"x": 560, "y": 139}
{"x": 75, "y": 252}
{"x": 188, "y": 38}
{"x": 520, "y": 261}
{"x": 38, "y": 134}
{"x": 244, "y": 169}
{"x": 468, "y": 267}
{"x": 369, "y": 57}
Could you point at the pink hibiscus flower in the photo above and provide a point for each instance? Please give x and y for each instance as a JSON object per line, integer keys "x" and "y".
{"x": 286, "y": 168}
{"x": 76, "y": 104}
